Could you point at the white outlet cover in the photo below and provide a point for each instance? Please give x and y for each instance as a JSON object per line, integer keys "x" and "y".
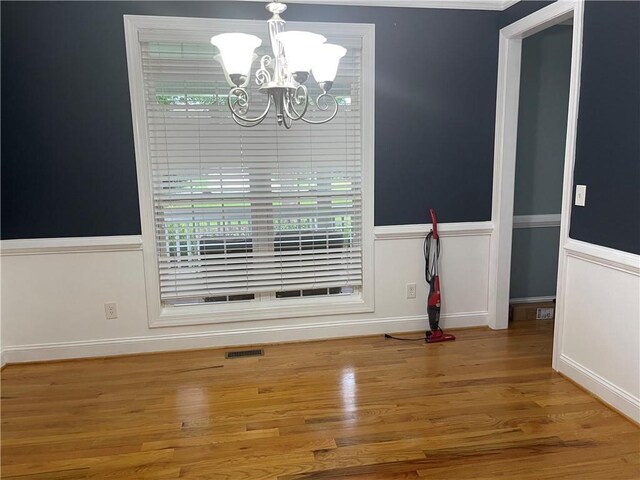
{"x": 111, "y": 310}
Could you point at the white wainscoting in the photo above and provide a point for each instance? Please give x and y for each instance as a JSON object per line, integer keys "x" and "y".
{"x": 52, "y": 299}
{"x": 598, "y": 344}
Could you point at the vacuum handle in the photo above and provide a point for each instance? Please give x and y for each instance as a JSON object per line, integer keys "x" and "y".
{"x": 434, "y": 223}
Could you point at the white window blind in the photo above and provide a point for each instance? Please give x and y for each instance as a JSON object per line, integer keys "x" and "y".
{"x": 243, "y": 212}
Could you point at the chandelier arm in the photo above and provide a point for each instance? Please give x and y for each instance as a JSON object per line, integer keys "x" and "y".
{"x": 322, "y": 104}
{"x": 242, "y": 100}
{"x": 263, "y": 75}
{"x": 287, "y": 121}
{"x": 239, "y": 121}
{"x": 294, "y": 99}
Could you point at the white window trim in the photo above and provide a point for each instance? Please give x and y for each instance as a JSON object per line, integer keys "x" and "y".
{"x": 159, "y": 316}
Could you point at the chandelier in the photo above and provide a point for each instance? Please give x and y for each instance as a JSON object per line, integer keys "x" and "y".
{"x": 295, "y": 55}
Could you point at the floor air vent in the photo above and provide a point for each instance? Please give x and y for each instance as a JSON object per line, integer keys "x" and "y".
{"x": 244, "y": 353}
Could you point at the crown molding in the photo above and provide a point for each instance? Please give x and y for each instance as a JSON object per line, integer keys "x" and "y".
{"x": 508, "y": 3}
{"x": 498, "y": 5}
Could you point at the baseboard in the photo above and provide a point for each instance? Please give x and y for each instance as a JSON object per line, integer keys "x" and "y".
{"x": 550, "y": 298}
{"x": 247, "y": 336}
{"x": 609, "y": 393}
{"x": 461, "y": 320}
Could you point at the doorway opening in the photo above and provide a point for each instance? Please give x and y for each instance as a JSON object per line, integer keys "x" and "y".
{"x": 516, "y": 41}
{"x": 541, "y": 139}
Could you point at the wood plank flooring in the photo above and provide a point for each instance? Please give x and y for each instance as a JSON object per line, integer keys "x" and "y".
{"x": 486, "y": 406}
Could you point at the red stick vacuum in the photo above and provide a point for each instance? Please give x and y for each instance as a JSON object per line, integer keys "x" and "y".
{"x": 431, "y": 256}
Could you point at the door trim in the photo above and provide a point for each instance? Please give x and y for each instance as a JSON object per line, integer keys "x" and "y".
{"x": 507, "y": 99}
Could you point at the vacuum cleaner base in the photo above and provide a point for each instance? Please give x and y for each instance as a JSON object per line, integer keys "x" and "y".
{"x": 439, "y": 336}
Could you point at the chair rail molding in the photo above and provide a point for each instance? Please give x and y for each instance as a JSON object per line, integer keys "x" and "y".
{"x": 403, "y": 232}
{"x": 43, "y": 246}
{"x": 536, "y": 221}
{"x": 604, "y": 256}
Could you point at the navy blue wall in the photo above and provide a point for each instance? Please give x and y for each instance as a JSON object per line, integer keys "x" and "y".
{"x": 608, "y": 146}
{"x": 608, "y": 141}
{"x": 68, "y": 166}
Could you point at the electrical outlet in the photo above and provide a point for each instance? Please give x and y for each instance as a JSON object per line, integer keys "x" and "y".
{"x": 411, "y": 290}
{"x": 111, "y": 310}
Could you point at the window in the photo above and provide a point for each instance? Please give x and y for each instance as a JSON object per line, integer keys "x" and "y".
{"x": 248, "y": 223}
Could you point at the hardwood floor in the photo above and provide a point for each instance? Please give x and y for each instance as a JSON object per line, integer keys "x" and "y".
{"x": 486, "y": 406}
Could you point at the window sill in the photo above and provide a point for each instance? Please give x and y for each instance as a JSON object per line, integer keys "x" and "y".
{"x": 255, "y": 311}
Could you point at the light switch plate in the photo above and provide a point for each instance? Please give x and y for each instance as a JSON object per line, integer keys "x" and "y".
{"x": 581, "y": 195}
